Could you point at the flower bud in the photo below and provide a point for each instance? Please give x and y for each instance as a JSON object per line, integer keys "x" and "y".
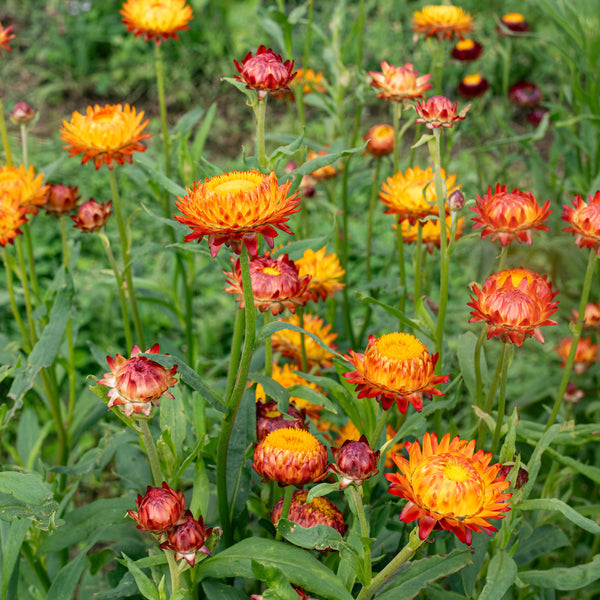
{"x": 159, "y": 509}
{"x": 269, "y": 419}
{"x": 355, "y": 462}
{"x": 61, "y": 199}
{"x": 92, "y": 215}
{"x": 380, "y": 140}
{"x": 187, "y": 538}
{"x": 522, "y": 475}
{"x": 22, "y": 113}
{"x": 525, "y": 94}
{"x": 456, "y": 201}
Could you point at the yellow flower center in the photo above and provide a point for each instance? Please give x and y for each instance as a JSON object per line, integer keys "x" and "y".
{"x": 233, "y": 186}
{"x": 400, "y": 346}
{"x": 292, "y": 440}
{"x": 513, "y": 18}
{"x": 271, "y": 271}
{"x": 465, "y": 45}
{"x": 472, "y": 79}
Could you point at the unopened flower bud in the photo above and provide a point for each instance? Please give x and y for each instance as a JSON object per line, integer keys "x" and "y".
{"x": 380, "y": 140}
{"x": 187, "y": 538}
{"x": 92, "y": 215}
{"x": 61, "y": 199}
{"x": 355, "y": 462}
{"x": 22, "y": 113}
{"x": 456, "y": 201}
{"x": 159, "y": 509}
{"x": 522, "y": 475}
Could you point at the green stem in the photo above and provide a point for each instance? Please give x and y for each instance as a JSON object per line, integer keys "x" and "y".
{"x": 236, "y": 351}
{"x": 372, "y": 203}
{"x": 285, "y": 508}
{"x": 381, "y": 421}
{"x": 418, "y": 256}
{"x": 489, "y": 403}
{"x": 13, "y": 303}
{"x": 356, "y": 498}
{"x": 346, "y": 312}
{"x": 4, "y": 135}
{"x": 402, "y": 269}
{"x": 303, "y": 356}
{"x": 396, "y": 115}
{"x": 122, "y": 297}
{"x": 502, "y": 400}
{"x": 126, "y": 249}
{"x": 160, "y": 84}
{"x": 260, "y": 111}
{"x": 268, "y": 349}
{"x": 26, "y": 293}
{"x": 25, "y": 159}
{"x": 233, "y": 402}
{"x": 31, "y": 260}
{"x": 503, "y": 257}
{"x": 174, "y": 572}
{"x": 585, "y": 294}
{"x": 414, "y": 543}
{"x": 36, "y": 566}
{"x": 477, "y": 368}
{"x": 151, "y": 452}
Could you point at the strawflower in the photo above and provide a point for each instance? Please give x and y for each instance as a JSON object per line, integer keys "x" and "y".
{"x": 438, "y": 111}
{"x": 355, "y": 462}
{"x": 309, "y": 80}
{"x": 276, "y": 284}
{"x": 508, "y": 216}
{"x": 449, "y": 486}
{"x": 326, "y": 172}
{"x": 105, "y": 134}
{"x": 156, "y": 20}
{"x": 321, "y": 511}
{"x": 396, "y": 367}
{"x": 591, "y": 316}
{"x": 585, "y": 355}
{"x": 473, "y": 86}
{"x": 159, "y": 509}
{"x": 289, "y": 343}
{"x": 22, "y": 113}
{"x": 92, "y": 215}
{"x": 12, "y": 216}
{"x": 411, "y": 195}
{"x": 61, "y": 199}
{"x": 535, "y": 115}
{"x": 23, "y": 186}
{"x": 525, "y": 94}
{"x": 514, "y": 304}
{"x": 290, "y": 457}
{"x": 233, "y": 208}
{"x": 265, "y": 72}
{"x": 514, "y": 22}
{"x": 399, "y": 84}
{"x": 584, "y": 221}
{"x": 187, "y": 538}
{"x": 138, "y": 382}
{"x": 466, "y": 50}
{"x": 5, "y": 37}
{"x": 442, "y": 21}
{"x": 269, "y": 419}
{"x": 430, "y": 232}
{"x": 380, "y": 140}
{"x": 325, "y": 271}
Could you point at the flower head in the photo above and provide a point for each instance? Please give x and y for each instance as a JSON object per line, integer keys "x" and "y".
{"x": 92, "y": 215}
{"x": 138, "y": 382}
{"x": 396, "y": 367}
{"x": 399, "y": 84}
{"x": 268, "y": 418}
{"x": 514, "y": 22}
{"x": 159, "y": 509}
{"x": 430, "y": 232}
{"x": 61, "y": 199}
{"x": 506, "y": 216}
{"x": 438, "y": 111}
{"x": 411, "y": 195}
{"x": 466, "y": 50}
{"x": 514, "y": 304}
{"x": 276, "y": 284}
{"x": 265, "y": 72}
{"x": 12, "y": 216}
{"x": 473, "y": 86}
{"x": 156, "y": 20}
{"x": 525, "y": 94}
{"x": 321, "y": 511}
{"x": 355, "y": 462}
{"x": 584, "y": 221}
{"x": 24, "y": 186}
{"x": 325, "y": 271}
{"x": 105, "y": 134}
{"x": 380, "y": 140}
{"x": 325, "y": 172}
{"x": 449, "y": 486}
{"x": 22, "y": 113}
{"x": 591, "y": 316}
{"x": 536, "y": 114}
{"x": 442, "y": 21}
{"x": 233, "y": 208}
{"x": 289, "y": 342}
{"x": 187, "y": 538}
{"x": 5, "y": 37}
{"x": 290, "y": 457}
{"x": 309, "y": 80}
{"x": 585, "y": 355}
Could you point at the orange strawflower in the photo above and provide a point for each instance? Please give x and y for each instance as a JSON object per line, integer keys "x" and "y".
{"x": 449, "y": 486}
{"x": 290, "y": 457}
{"x": 506, "y": 216}
{"x": 23, "y": 186}
{"x": 92, "y": 215}
{"x": 585, "y": 355}
{"x": 326, "y": 172}
{"x": 584, "y": 221}
{"x": 396, "y": 367}
{"x": 380, "y": 140}
{"x": 138, "y": 382}
{"x": 442, "y": 21}
{"x": 411, "y": 195}
{"x": 399, "y": 84}
{"x": 514, "y": 304}
{"x": 591, "y": 316}
{"x": 276, "y": 284}
{"x": 289, "y": 343}
{"x": 61, "y": 199}
{"x": 310, "y": 81}
{"x": 156, "y": 20}
{"x": 287, "y": 378}
{"x": 438, "y": 111}
{"x": 430, "y": 233}
{"x": 265, "y": 72}
{"x": 5, "y": 37}
{"x": 325, "y": 271}
{"x": 233, "y": 208}
{"x": 105, "y": 134}
{"x": 12, "y": 216}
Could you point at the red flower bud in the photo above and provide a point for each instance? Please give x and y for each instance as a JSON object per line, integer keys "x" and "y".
{"x": 187, "y": 538}
{"x": 159, "y": 509}
{"x": 355, "y": 462}
{"x": 92, "y": 215}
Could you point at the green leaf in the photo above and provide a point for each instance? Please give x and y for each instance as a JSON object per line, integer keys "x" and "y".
{"x": 288, "y": 150}
{"x": 241, "y": 86}
{"x": 394, "y": 312}
{"x": 11, "y": 548}
{"x": 312, "y": 396}
{"x": 188, "y": 120}
{"x": 564, "y": 578}
{"x": 590, "y": 471}
{"x": 554, "y": 504}
{"x": 275, "y": 580}
{"x": 172, "y": 223}
{"x": 161, "y": 180}
{"x": 465, "y": 353}
{"x": 144, "y": 583}
{"x": 299, "y": 566}
{"x": 416, "y": 575}
{"x": 323, "y": 161}
{"x": 65, "y": 583}
{"x": 273, "y": 389}
{"x": 538, "y": 541}
{"x": 319, "y": 537}
{"x": 215, "y": 590}
{"x": 203, "y": 131}
{"x": 322, "y": 489}
{"x": 27, "y": 487}
{"x": 501, "y": 574}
